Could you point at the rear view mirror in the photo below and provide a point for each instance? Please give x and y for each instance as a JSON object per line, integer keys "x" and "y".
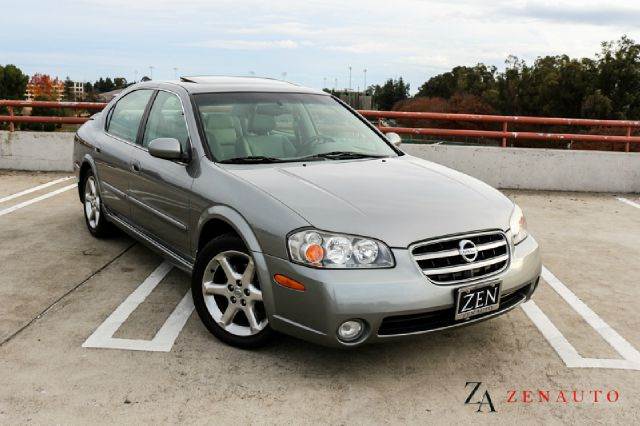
{"x": 394, "y": 138}
{"x": 166, "y": 148}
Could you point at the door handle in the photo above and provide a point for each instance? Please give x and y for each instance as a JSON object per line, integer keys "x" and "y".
{"x": 135, "y": 166}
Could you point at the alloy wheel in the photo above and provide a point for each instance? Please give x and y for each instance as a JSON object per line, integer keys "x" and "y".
{"x": 232, "y": 293}
{"x": 91, "y": 202}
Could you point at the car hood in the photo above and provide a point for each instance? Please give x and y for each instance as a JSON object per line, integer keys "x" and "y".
{"x": 397, "y": 200}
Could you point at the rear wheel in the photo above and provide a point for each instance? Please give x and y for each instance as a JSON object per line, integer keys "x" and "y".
{"x": 227, "y": 294}
{"x": 93, "y": 213}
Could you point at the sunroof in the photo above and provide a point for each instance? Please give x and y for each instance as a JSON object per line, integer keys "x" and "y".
{"x": 222, "y": 79}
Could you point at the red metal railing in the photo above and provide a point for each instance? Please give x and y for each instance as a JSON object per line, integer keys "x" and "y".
{"x": 503, "y": 134}
{"x": 12, "y": 118}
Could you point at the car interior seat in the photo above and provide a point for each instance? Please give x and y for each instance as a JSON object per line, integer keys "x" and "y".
{"x": 262, "y": 140}
{"x": 224, "y": 135}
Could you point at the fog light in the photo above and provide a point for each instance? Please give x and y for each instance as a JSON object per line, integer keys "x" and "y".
{"x": 350, "y": 330}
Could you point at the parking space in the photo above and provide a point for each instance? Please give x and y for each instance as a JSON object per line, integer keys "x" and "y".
{"x": 77, "y": 347}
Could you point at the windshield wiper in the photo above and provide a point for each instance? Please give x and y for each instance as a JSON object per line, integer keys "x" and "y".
{"x": 342, "y": 155}
{"x": 333, "y": 155}
{"x": 252, "y": 159}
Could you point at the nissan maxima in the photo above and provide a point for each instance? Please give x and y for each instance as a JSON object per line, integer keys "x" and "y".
{"x": 293, "y": 214}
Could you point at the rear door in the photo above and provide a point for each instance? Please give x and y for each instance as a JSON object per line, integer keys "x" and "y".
{"x": 113, "y": 163}
{"x": 159, "y": 189}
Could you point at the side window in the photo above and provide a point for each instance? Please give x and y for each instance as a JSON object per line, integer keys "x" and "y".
{"x": 126, "y": 115}
{"x": 166, "y": 120}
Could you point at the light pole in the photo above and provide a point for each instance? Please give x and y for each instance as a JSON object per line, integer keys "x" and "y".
{"x": 324, "y": 82}
{"x": 335, "y": 86}
{"x": 151, "y": 72}
{"x": 175, "y": 73}
{"x": 349, "y": 77}
{"x": 365, "y": 81}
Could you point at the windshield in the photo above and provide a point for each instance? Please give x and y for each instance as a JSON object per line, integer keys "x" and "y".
{"x": 271, "y": 127}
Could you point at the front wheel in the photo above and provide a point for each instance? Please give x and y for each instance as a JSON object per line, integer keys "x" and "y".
{"x": 227, "y": 294}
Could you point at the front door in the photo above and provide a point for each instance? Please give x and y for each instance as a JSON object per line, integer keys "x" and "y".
{"x": 159, "y": 189}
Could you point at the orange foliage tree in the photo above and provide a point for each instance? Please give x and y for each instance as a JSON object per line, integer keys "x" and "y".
{"x": 44, "y": 88}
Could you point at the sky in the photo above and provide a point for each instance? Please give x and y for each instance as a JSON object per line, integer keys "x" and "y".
{"x": 304, "y": 41}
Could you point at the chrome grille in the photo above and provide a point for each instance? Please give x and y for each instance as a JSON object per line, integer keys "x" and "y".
{"x": 442, "y": 262}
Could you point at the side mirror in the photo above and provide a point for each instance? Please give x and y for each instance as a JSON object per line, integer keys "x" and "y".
{"x": 166, "y": 148}
{"x": 394, "y": 138}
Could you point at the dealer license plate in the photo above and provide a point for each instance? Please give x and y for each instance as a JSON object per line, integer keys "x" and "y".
{"x": 477, "y": 299}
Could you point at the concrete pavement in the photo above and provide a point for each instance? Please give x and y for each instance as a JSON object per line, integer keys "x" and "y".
{"x": 50, "y": 265}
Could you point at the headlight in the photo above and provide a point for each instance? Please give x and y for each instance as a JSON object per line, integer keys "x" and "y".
{"x": 327, "y": 250}
{"x": 518, "y": 225}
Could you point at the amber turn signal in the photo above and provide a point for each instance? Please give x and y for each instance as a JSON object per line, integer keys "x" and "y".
{"x": 288, "y": 282}
{"x": 314, "y": 253}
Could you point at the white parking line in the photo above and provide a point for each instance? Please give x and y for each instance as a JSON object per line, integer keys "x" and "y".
{"x": 37, "y": 199}
{"x": 571, "y": 357}
{"x": 627, "y": 201}
{"x": 34, "y": 189}
{"x": 164, "y": 338}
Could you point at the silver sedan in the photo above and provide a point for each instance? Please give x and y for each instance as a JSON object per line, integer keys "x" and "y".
{"x": 292, "y": 213}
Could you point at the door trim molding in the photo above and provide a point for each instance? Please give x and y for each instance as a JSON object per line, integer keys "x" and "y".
{"x": 113, "y": 189}
{"x": 144, "y": 206}
{"x": 158, "y": 213}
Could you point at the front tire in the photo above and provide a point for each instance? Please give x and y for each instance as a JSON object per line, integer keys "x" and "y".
{"x": 227, "y": 294}
{"x": 93, "y": 212}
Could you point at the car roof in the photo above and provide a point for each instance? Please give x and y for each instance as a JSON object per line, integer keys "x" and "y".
{"x": 211, "y": 84}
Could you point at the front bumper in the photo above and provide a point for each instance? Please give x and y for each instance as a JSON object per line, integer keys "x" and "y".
{"x": 373, "y": 295}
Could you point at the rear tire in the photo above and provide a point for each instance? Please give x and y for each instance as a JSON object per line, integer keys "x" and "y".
{"x": 94, "y": 216}
{"x": 227, "y": 295}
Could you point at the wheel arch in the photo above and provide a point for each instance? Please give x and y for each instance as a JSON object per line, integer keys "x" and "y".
{"x": 87, "y": 166}
{"x": 219, "y": 220}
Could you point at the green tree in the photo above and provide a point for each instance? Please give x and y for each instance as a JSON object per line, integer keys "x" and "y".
{"x": 618, "y": 76}
{"x": 13, "y": 85}
{"x": 511, "y": 86}
{"x": 89, "y": 93}
{"x": 389, "y": 93}
{"x": 607, "y": 86}
{"x": 597, "y": 106}
{"x": 13, "y": 82}
{"x": 108, "y": 85}
{"x": 479, "y": 80}
{"x": 69, "y": 94}
{"x": 120, "y": 82}
{"x": 103, "y": 85}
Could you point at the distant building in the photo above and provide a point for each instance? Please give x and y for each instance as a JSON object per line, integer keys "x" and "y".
{"x": 356, "y": 100}
{"x": 78, "y": 90}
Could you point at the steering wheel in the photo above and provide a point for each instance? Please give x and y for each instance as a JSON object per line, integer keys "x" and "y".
{"x": 305, "y": 147}
{"x": 319, "y": 139}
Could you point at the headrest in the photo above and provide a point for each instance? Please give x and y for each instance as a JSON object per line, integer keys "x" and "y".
{"x": 219, "y": 121}
{"x": 272, "y": 109}
{"x": 240, "y": 110}
{"x": 262, "y": 124}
